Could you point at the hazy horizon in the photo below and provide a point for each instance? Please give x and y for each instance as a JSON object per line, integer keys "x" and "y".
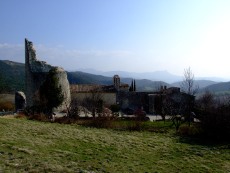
{"x": 121, "y": 35}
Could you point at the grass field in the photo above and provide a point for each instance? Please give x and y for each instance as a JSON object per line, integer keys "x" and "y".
{"x": 6, "y": 102}
{"x": 32, "y": 146}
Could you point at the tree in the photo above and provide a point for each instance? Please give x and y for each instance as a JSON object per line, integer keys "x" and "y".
{"x": 188, "y": 85}
{"x": 4, "y": 86}
{"x": 190, "y": 89}
{"x": 51, "y": 95}
{"x": 131, "y": 87}
{"x": 73, "y": 110}
{"x": 214, "y": 116}
{"x": 94, "y": 102}
{"x": 134, "y": 85}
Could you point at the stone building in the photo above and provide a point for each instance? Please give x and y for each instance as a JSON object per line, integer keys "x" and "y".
{"x": 36, "y": 73}
{"x": 118, "y": 85}
{"x": 169, "y": 100}
{"x": 116, "y": 82}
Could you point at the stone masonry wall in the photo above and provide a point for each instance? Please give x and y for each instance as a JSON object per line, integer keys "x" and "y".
{"x": 35, "y": 74}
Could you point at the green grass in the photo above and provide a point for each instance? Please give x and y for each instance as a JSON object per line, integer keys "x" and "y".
{"x": 6, "y": 102}
{"x": 32, "y": 146}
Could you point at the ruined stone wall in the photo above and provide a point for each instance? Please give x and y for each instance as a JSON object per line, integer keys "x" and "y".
{"x": 134, "y": 100}
{"x": 85, "y": 87}
{"x": 36, "y": 73}
{"x": 108, "y": 98}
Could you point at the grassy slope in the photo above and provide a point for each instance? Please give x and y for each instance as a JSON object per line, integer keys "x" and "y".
{"x": 29, "y": 146}
{"x": 7, "y": 98}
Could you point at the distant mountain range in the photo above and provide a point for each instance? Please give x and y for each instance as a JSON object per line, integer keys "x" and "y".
{"x": 12, "y": 78}
{"x": 154, "y": 76}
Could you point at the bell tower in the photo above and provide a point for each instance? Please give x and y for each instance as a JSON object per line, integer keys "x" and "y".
{"x": 116, "y": 82}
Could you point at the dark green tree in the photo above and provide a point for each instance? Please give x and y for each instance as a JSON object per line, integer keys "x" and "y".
{"x": 134, "y": 85}
{"x": 51, "y": 95}
{"x": 131, "y": 86}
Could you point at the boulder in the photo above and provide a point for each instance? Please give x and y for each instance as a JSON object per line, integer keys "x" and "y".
{"x": 20, "y": 100}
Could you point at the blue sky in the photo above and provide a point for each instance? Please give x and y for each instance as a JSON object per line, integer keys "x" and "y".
{"x": 128, "y": 35}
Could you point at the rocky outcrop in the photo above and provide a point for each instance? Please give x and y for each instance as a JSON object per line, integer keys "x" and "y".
{"x": 64, "y": 84}
{"x": 20, "y": 100}
{"x": 36, "y": 73}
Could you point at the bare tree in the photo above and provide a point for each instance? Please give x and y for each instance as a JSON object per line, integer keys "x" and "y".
{"x": 73, "y": 110}
{"x": 94, "y": 103}
{"x": 189, "y": 88}
{"x": 188, "y": 85}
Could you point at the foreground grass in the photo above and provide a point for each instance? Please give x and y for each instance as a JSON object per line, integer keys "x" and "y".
{"x": 30, "y": 146}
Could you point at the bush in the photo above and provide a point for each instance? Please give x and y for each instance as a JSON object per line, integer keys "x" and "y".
{"x": 214, "y": 117}
{"x": 186, "y": 130}
{"x": 50, "y": 93}
{"x": 216, "y": 122}
{"x": 101, "y": 122}
{"x": 38, "y": 116}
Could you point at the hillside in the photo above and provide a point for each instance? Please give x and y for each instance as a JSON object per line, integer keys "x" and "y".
{"x": 223, "y": 87}
{"x": 86, "y": 78}
{"x": 12, "y": 76}
{"x": 32, "y": 146}
{"x": 79, "y": 77}
{"x": 200, "y": 83}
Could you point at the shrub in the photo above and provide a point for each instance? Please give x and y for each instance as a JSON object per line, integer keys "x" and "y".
{"x": 214, "y": 117}
{"x": 51, "y": 95}
{"x": 38, "y": 116}
{"x": 216, "y": 122}
{"x": 115, "y": 108}
{"x": 186, "y": 130}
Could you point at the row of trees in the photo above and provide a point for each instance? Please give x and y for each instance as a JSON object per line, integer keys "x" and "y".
{"x": 132, "y": 86}
{"x": 214, "y": 115}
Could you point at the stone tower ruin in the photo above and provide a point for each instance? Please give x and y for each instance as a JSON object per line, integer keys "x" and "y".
{"x": 116, "y": 82}
{"x": 36, "y": 73}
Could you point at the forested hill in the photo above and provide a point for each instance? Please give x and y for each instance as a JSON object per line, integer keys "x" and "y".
{"x": 222, "y": 87}
{"x": 79, "y": 77}
{"x": 12, "y": 76}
